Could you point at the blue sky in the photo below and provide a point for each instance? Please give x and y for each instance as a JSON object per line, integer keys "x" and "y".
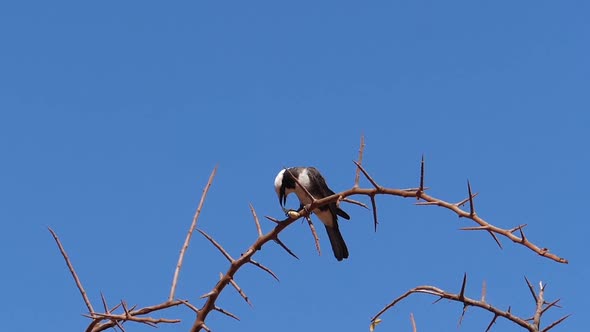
{"x": 112, "y": 116}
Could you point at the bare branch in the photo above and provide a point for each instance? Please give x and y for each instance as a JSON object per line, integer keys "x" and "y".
{"x": 467, "y": 302}
{"x": 358, "y": 170}
{"x": 189, "y": 235}
{"x": 72, "y": 271}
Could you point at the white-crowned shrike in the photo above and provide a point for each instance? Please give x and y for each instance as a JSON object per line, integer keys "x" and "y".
{"x": 314, "y": 182}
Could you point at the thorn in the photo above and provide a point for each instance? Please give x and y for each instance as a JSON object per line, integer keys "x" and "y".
{"x": 496, "y": 239}
{"x": 367, "y": 176}
{"x": 462, "y": 293}
{"x": 552, "y": 325}
{"x": 276, "y": 221}
{"x": 471, "y": 207}
{"x": 426, "y": 203}
{"x": 277, "y": 240}
{"x": 217, "y": 245}
{"x": 192, "y": 307}
{"x": 421, "y": 189}
{"x": 460, "y": 204}
{"x": 523, "y": 238}
{"x": 374, "y": 206}
{"x": 552, "y": 304}
{"x": 208, "y": 294}
{"x": 352, "y": 201}
{"x": 465, "y": 306}
{"x": 491, "y": 323}
{"x": 475, "y": 228}
{"x": 316, "y": 239}
{"x": 240, "y": 291}
{"x": 483, "y": 291}
{"x": 104, "y": 303}
{"x": 512, "y": 230}
{"x": 227, "y": 313}
{"x": 258, "y": 228}
{"x": 264, "y": 268}
{"x": 531, "y": 289}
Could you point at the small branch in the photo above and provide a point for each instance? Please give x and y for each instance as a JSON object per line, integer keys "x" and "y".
{"x": 189, "y": 235}
{"x": 358, "y": 170}
{"x": 72, "y": 271}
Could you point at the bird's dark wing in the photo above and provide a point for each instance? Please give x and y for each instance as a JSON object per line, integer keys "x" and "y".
{"x": 325, "y": 192}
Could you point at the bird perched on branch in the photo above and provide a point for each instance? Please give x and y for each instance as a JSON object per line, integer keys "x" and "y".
{"x": 313, "y": 181}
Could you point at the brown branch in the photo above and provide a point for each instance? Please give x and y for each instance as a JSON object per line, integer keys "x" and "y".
{"x": 371, "y": 192}
{"x": 534, "y": 326}
{"x": 72, "y": 271}
{"x": 357, "y": 176}
{"x": 189, "y": 235}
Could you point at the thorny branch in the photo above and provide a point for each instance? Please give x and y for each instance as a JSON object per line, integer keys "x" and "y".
{"x": 98, "y": 319}
{"x": 531, "y": 324}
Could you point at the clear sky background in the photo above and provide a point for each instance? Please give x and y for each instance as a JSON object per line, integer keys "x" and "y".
{"x": 113, "y": 114}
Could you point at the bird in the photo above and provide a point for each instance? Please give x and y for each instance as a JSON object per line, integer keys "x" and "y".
{"x": 314, "y": 182}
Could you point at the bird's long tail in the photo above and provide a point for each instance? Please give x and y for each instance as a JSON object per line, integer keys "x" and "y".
{"x": 337, "y": 242}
